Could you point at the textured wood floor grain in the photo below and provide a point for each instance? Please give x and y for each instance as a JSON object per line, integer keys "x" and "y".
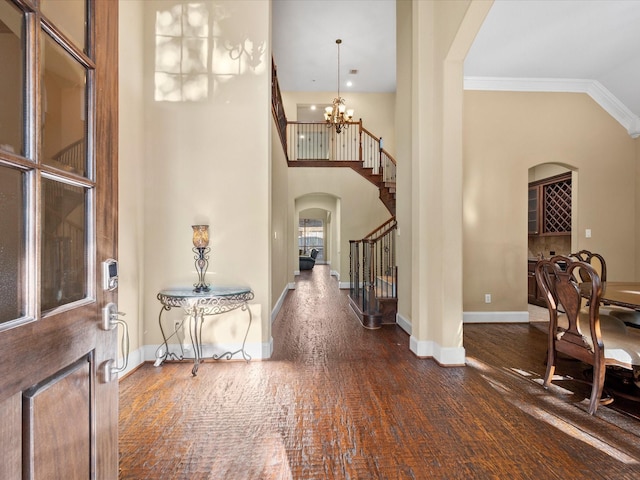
{"x": 337, "y": 401}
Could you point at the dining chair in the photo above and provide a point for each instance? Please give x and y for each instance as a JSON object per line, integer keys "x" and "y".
{"x": 630, "y": 317}
{"x": 581, "y": 331}
{"x": 595, "y": 260}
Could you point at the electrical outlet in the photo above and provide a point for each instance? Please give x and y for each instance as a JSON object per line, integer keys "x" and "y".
{"x": 487, "y": 298}
{"x": 587, "y": 233}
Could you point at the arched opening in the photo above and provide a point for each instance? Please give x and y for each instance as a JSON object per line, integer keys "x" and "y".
{"x": 316, "y": 218}
{"x": 551, "y": 209}
{"x": 551, "y": 219}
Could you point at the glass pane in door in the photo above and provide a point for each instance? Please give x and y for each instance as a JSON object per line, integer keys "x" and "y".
{"x": 11, "y": 79}
{"x": 70, "y": 16}
{"x": 64, "y": 108}
{"x": 12, "y": 244}
{"x": 64, "y": 243}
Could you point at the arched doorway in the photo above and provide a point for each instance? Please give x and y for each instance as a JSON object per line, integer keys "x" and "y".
{"x": 317, "y": 225}
{"x": 552, "y": 219}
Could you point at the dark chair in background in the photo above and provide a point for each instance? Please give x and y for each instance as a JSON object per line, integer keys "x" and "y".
{"x": 595, "y": 260}
{"x": 630, "y": 317}
{"x": 308, "y": 262}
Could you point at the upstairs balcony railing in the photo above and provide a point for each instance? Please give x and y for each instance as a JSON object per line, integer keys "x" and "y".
{"x": 319, "y": 141}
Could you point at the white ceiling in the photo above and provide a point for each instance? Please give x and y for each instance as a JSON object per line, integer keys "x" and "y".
{"x": 305, "y": 50}
{"x": 549, "y": 45}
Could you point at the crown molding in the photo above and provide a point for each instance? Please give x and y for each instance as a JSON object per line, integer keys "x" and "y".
{"x": 593, "y": 88}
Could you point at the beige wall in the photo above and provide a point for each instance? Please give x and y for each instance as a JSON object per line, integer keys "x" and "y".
{"x": 279, "y": 218}
{"x": 189, "y": 162}
{"x": 202, "y": 170}
{"x": 441, "y": 33}
{"x": 403, "y": 116}
{"x": 131, "y": 162}
{"x": 507, "y": 133}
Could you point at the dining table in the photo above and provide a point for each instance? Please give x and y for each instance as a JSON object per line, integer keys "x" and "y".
{"x": 621, "y": 294}
{"x": 622, "y": 382}
{"x": 625, "y": 295}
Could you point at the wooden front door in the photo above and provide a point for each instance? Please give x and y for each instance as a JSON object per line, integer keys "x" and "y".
{"x": 58, "y": 218}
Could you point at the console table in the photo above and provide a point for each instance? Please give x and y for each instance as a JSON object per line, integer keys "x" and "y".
{"x": 198, "y": 305}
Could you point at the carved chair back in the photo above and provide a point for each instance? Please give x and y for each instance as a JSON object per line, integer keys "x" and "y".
{"x": 594, "y": 259}
{"x": 558, "y": 279}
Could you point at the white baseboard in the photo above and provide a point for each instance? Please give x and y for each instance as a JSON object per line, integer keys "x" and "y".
{"x": 403, "y": 322}
{"x": 495, "y": 317}
{"x": 278, "y": 305}
{"x": 448, "y": 357}
{"x": 256, "y": 350}
{"x": 267, "y": 348}
{"x": 136, "y": 358}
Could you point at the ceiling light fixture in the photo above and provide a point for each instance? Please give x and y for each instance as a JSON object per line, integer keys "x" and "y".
{"x": 337, "y": 115}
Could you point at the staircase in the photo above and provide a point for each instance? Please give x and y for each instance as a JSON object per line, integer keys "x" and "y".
{"x": 373, "y": 276}
{"x": 373, "y": 273}
{"x": 315, "y": 145}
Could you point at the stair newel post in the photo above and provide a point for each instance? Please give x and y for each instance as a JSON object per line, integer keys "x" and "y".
{"x": 370, "y": 272}
{"x": 360, "y": 158}
{"x": 380, "y": 170}
{"x": 362, "y": 275}
{"x": 353, "y": 251}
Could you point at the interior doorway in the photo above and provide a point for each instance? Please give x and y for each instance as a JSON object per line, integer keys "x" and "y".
{"x": 552, "y": 207}
{"x": 552, "y": 219}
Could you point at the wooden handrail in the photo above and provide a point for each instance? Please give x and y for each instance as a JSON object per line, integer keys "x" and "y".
{"x": 381, "y": 227}
{"x": 386, "y": 232}
{"x": 277, "y": 108}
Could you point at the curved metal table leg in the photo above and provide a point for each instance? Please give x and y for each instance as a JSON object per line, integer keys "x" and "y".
{"x": 196, "y": 339}
{"x": 245, "y": 355}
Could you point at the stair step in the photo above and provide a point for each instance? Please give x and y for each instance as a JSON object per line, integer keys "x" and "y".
{"x": 388, "y": 310}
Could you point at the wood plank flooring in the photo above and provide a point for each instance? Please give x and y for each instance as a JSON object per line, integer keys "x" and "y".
{"x": 337, "y": 401}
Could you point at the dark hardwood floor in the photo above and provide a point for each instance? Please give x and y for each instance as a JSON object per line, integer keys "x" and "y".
{"x": 337, "y": 401}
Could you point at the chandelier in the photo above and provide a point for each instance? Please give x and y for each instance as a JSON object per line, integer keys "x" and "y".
{"x": 337, "y": 115}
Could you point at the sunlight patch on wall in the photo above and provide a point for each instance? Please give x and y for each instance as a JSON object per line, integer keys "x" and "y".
{"x": 182, "y": 42}
{"x": 199, "y": 47}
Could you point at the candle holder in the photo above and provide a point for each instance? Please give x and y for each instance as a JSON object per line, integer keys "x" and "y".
{"x": 201, "y": 249}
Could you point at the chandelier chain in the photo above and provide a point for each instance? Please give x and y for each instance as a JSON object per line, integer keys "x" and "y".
{"x": 338, "y": 115}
